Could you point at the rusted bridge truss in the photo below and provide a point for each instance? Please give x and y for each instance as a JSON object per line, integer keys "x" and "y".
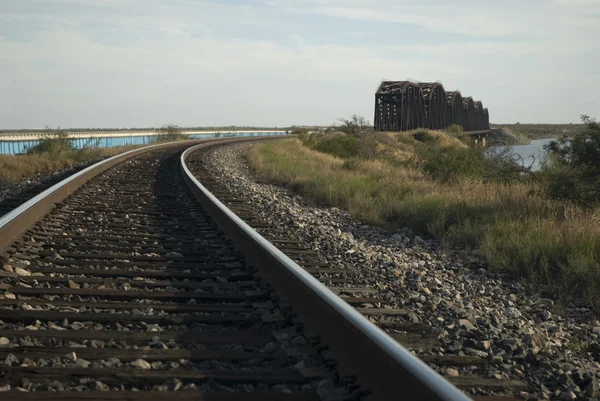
{"x": 405, "y": 105}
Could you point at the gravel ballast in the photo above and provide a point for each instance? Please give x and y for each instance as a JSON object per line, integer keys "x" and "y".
{"x": 474, "y": 312}
{"x": 13, "y": 194}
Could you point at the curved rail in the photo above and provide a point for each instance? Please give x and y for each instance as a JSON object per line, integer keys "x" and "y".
{"x": 17, "y": 221}
{"x": 361, "y": 349}
{"x": 383, "y": 365}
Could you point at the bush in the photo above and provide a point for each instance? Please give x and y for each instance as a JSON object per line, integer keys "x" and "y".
{"x": 309, "y": 140}
{"x": 353, "y": 139}
{"x": 439, "y": 155}
{"x": 455, "y": 130}
{"x": 53, "y": 143}
{"x": 341, "y": 146}
{"x": 450, "y": 163}
{"x": 362, "y": 147}
{"x": 169, "y": 133}
{"x": 423, "y": 136}
{"x": 572, "y": 171}
{"x": 356, "y": 125}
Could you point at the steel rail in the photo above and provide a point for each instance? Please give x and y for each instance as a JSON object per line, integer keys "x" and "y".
{"x": 16, "y": 222}
{"x": 381, "y": 364}
{"x": 361, "y": 348}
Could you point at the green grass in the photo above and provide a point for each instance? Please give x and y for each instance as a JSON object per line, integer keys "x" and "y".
{"x": 515, "y": 227}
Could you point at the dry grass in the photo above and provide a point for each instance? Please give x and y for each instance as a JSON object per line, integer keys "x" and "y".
{"x": 516, "y": 228}
{"x": 14, "y": 168}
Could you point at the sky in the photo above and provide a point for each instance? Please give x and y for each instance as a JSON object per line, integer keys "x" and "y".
{"x": 146, "y": 63}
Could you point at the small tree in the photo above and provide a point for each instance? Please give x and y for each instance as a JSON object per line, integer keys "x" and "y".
{"x": 356, "y": 125}
{"x": 170, "y": 132}
{"x": 573, "y": 170}
{"x": 53, "y": 142}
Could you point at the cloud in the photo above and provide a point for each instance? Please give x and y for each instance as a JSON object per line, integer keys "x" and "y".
{"x": 551, "y": 19}
{"x": 144, "y": 63}
{"x": 157, "y": 76}
{"x": 471, "y": 25}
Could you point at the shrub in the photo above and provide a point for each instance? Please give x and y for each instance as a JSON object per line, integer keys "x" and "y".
{"x": 573, "y": 169}
{"x": 53, "y": 143}
{"x": 450, "y": 163}
{"x": 168, "y": 133}
{"x": 423, "y": 136}
{"x": 342, "y": 146}
{"x": 455, "y": 130}
{"x": 362, "y": 147}
{"x": 355, "y": 125}
{"x": 309, "y": 140}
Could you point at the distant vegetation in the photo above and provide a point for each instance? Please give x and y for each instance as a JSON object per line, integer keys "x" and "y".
{"x": 54, "y": 152}
{"x": 170, "y": 133}
{"x": 56, "y": 143}
{"x": 152, "y": 129}
{"x": 542, "y": 131}
{"x": 531, "y": 131}
{"x": 534, "y": 225}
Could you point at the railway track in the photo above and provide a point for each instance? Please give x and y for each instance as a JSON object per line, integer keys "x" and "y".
{"x": 139, "y": 283}
{"x": 16, "y": 198}
{"x": 418, "y": 337}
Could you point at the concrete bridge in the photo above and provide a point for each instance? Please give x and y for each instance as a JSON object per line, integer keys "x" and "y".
{"x": 37, "y": 135}
{"x": 487, "y": 137}
{"x": 21, "y": 142}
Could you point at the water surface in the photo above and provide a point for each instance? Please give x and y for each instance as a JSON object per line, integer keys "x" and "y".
{"x": 531, "y": 153}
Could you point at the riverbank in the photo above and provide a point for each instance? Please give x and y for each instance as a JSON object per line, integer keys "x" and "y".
{"x": 540, "y": 131}
{"x": 505, "y": 137}
{"x": 512, "y": 226}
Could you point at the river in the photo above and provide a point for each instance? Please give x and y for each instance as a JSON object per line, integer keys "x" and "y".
{"x": 531, "y": 153}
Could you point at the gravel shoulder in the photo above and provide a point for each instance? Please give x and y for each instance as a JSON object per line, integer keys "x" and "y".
{"x": 555, "y": 350}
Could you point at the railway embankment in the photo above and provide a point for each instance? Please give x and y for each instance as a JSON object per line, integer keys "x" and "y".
{"x": 529, "y": 224}
{"x": 132, "y": 277}
{"x": 527, "y": 332}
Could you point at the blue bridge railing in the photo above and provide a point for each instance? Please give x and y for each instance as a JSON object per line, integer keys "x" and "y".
{"x": 11, "y": 147}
